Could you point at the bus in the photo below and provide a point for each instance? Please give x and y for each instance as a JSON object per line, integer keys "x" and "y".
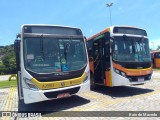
{"x": 52, "y": 62}
{"x": 119, "y": 56}
{"x": 155, "y": 59}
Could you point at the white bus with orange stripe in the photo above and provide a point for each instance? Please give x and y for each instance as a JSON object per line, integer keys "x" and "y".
{"x": 118, "y": 56}
{"x": 52, "y": 62}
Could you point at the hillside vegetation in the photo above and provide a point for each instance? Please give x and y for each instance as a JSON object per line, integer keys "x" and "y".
{"x": 7, "y": 60}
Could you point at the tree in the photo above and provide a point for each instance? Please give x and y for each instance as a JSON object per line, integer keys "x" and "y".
{"x": 158, "y": 48}
{"x": 9, "y": 62}
{"x": 8, "y": 59}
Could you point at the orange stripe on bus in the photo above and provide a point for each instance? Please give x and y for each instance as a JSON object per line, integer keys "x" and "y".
{"x": 102, "y": 32}
{"x": 108, "y": 80}
{"x": 133, "y": 72}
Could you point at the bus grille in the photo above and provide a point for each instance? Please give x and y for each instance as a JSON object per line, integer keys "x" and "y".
{"x": 135, "y": 78}
{"x": 54, "y": 94}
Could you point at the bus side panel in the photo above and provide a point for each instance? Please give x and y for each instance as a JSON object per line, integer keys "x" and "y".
{"x": 107, "y": 59}
{"x": 157, "y": 62}
{"x": 108, "y": 80}
{"x": 19, "y": 83}
{"x": 90, "y": 55}
{"x": 18, "y": 68}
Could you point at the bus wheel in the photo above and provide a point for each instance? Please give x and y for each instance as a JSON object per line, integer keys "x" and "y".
{"x": 93, "y": 85}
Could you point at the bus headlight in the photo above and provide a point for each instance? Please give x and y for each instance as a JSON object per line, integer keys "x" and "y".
{"x": 30, "y": 84}
{"x": 120, "y": 72}
{"x": 86, "y": 77}
{"x": 123, "y": 74}
{"x": 116, "y": 70}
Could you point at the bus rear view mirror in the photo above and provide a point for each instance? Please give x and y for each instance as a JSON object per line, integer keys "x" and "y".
{"x": 85, "y": 38}
{"x": 17, "y": 51}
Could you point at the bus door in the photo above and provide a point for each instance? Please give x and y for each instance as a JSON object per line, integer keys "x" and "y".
{"x": 98, "y": 56}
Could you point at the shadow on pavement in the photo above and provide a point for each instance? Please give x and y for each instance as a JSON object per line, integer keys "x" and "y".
{"x": 52, "y": 106}
{"x": 122, "y": 91}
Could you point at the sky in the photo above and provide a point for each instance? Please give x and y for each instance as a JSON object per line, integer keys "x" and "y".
{"x": 91, "y": 16}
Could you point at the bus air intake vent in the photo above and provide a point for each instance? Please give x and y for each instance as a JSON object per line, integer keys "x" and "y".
{"x": 54, "y": 94}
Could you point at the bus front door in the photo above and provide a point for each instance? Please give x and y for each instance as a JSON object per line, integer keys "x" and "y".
{"x": 98, "y": 61}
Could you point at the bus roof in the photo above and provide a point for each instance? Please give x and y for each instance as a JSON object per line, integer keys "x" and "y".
{"x": 111, "y": 28}
{"x": 48, "y": 25}
{"x": 102, "y": 32}
{"x": 50, "y": 29}
{"x": 156, "y": 51}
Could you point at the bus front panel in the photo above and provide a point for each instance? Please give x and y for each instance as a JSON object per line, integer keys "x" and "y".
{"x": 52, "y": 65}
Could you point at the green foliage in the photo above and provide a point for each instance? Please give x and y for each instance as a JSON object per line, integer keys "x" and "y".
{"x": 158, "y": 48}
{"x": 8, "y": 64}
{"x": 1, "y": 65}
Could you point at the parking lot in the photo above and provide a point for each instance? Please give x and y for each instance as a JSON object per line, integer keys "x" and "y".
{"x": 125, "y": 98}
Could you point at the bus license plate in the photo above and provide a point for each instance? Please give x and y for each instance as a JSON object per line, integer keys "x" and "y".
{"x": 140, "y": 79}
{"x": 63, "y": 95}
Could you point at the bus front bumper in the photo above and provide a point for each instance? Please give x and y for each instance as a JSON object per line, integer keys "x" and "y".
{"x": 33, "y": 96}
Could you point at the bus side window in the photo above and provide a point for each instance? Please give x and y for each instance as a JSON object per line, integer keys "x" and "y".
{"x": 89, "y": 48}
{"x": 107, "y": 49}
{"x": 107, "y": 54}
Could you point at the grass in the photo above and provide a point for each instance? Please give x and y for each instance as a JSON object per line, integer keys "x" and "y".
{"x": 7, "y": 83}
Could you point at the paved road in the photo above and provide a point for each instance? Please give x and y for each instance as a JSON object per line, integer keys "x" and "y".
{"x": 132, "y": 98}
{"x": 4, "y": 77}
{"x": 156, "y": 74}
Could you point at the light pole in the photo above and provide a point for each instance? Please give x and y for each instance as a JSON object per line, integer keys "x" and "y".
{"x": 109, "y": 5}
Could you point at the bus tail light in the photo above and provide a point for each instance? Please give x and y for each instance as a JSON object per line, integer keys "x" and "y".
{"x": 30, "y": 84}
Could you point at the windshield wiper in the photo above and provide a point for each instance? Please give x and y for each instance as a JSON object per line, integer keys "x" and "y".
{"x": 140, "y": 43}
{"x": 133, "y": 48}
{"x": 41, "y": 45}
{"x": 66, "y": 50}
{"x": 125, "y": 42}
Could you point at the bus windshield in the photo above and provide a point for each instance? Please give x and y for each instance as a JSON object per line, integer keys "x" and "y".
{"x": 48, "y": 55}
{"x": 131, "y": 49}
